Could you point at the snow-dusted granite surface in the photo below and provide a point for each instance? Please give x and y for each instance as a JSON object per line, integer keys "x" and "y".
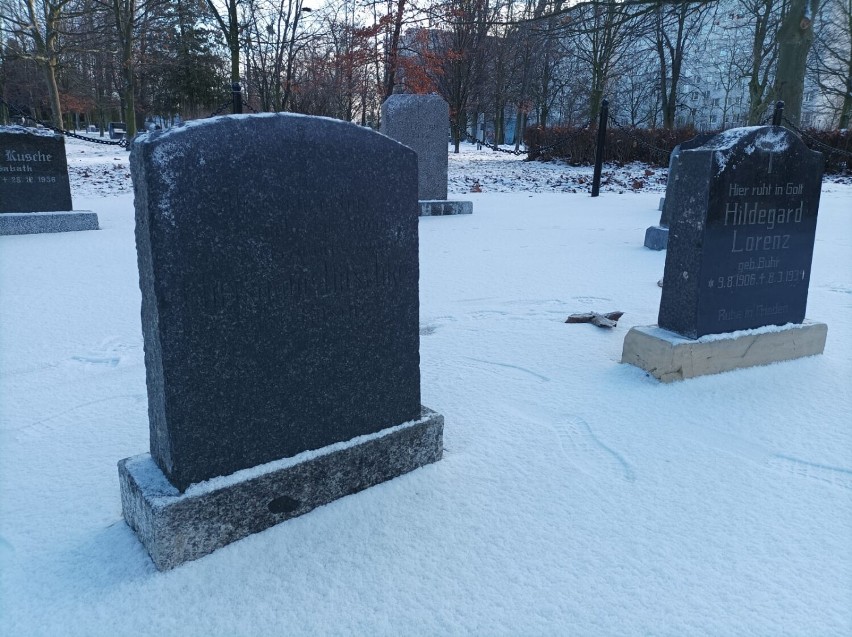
{"x": 176, "y": 528}
{"x": 575, "y": 496}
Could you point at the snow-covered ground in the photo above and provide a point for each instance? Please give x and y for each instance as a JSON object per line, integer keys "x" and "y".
{"x": 577, "y": 496}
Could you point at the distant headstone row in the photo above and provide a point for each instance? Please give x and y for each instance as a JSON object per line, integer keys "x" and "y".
{"x": 35, "y": 193}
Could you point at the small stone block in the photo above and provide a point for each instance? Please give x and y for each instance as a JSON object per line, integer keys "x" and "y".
{"x": 43, "y": 222}
{"x": 442, "y": 207}
{"x": 176, "y": 528}
{"x": 657, "y": 237}
{"x": 670, "y": 357}
{"x": 662, "y": 203}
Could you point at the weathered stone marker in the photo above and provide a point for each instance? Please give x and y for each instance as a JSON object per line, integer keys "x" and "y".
{"x": 421, "y": 123}
{"x": 739, "y": 254}
{"x": 657, "y": 237}
{"x": 35, "y": 194}
{"x": 278, "y": 262}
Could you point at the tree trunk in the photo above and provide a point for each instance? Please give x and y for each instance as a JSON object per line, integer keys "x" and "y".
{"x": 392, "y": 54}
{"x": 794, "y": 41}
{"x": 53, "y": 93}
{"x": 846, "y": 112}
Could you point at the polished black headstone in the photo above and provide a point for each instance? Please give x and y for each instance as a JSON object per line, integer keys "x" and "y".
{"x": 33, "y": 171}
{"x": 741, "y": 244}
{"x": 278, "y": 262}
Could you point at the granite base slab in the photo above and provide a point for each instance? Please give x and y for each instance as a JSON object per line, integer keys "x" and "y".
{"x": 442, "y": 207}
{"x": 178, "y": 527}
{"x": 657, "y": 237}
{"x": 669, "y": 357}
{"x": 44, "y": 222}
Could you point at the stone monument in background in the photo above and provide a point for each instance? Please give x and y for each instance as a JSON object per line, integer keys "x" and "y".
{"x": 35, "y": 193}
{"x": 421, "y": 122}
{"x": 278, "y": 263}
{"x": 739, "y": 258}
{"x": 657, "y": 237}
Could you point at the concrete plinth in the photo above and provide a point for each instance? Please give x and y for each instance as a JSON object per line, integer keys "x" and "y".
{"x": 441, "y": 207}
{"x": 178, "y": 527}
{"x": 657, "y": 237}
{"x": 42, "y": 222}
{"x": 668, "y": 356}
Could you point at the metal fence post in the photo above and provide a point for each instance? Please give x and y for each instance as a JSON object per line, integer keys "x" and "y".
{"x": 599, "y": 151}
{"x": 237, "y": 94}
{"x": 778, "y": 114}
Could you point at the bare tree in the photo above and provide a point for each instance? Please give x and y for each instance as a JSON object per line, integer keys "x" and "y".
{"x": 602, "y": 32}
{"x": 40, "y": 22}
{"x": 675, "y": 26}
{"x": 830, "y": 63}
{"x": 794, "y": 42}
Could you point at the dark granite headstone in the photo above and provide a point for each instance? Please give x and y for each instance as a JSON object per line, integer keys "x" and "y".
{"x": 278, "y": 262}
{"x": 657, "y": 237}
{"x": 674, "y": 171}
{"x": 741, "y": 242}
{"x": 33, "y": 171}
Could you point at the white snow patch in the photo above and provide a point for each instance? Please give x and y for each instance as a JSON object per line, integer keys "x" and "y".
{"x": 576, "y": 495}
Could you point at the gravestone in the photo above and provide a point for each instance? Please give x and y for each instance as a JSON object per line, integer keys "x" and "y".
{"x": 278, "y": 262}
{"x": 421, "y": 122}
{"x": 740, "y": 248}
{"x": 657, "y": 237}
{"x": 35, "y": 193}
{"x": 117, "y": 130}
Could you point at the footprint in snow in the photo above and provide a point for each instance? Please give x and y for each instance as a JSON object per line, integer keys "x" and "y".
{"x": 837, "y": 476}
{"x": 581, "y": 446}
{"x": 109, "y": 354}
{"x": 765, "y": 457}
{"x": 509, "y": 366}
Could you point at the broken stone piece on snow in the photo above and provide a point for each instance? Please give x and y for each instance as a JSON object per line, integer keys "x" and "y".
{"x": 610, "y": 319}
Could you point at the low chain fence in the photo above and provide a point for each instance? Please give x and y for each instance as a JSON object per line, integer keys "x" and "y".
{"x": 511, "y": 151}
{"x": 835, "y": 145}
{"x": 17, "y": 113}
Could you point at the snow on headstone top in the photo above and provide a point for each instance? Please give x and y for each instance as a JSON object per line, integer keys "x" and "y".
{"x": 740, "y": 248}
{"x": 27, "y": 130}
{"x": 278, "y": 262}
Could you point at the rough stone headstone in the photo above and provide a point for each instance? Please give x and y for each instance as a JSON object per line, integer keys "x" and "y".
{"x": 421, "y": 122}
{"x": 741, "y": 244}
{"x": 739, "y": 257}
{"x": 278, "y": 262}
{"x": 657, "y": 237}
{"x": 35, "y": 193}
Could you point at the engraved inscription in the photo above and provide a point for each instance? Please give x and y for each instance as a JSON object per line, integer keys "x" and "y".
{"x": 321, "y": 281}
{"x": 33, "y": 172}
{"x": 761, "y": 222}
